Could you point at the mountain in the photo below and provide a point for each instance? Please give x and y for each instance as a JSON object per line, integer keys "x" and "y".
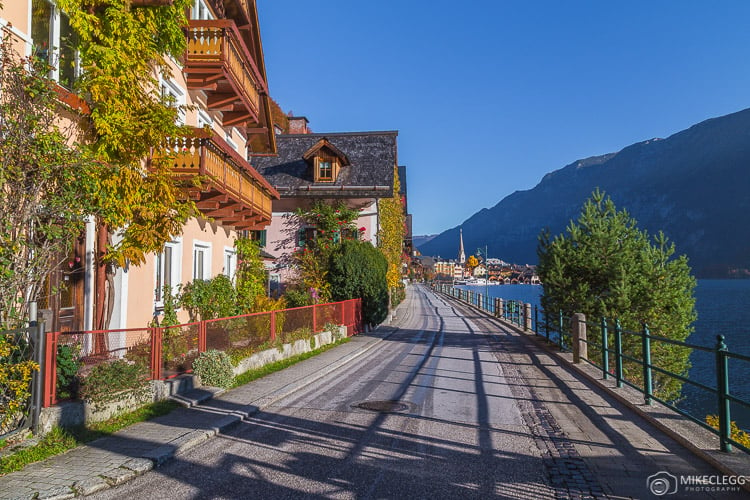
{"x": 694, "y": 186}
{"x": 420, "y": 240}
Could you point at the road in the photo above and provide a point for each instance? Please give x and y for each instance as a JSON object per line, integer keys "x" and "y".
{"x": 451, "y": 405}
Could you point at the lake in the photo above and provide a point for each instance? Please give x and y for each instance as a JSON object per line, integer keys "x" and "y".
{"x": 723, "y": 308}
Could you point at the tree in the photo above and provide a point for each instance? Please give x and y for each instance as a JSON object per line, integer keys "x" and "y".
{"x": 325, "y": 226}
{"x": 251, "y": 274}
{"x": 358, "y": 270}
{"x": 42, "y": 185}
{"x": 123, "y": 50}
{"x": 472, "y": 262}
{"x": 604, "y": 266}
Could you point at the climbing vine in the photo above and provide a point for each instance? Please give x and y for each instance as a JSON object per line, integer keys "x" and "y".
{"x": 123, "y": 51}
{"x": 391, "y": 234}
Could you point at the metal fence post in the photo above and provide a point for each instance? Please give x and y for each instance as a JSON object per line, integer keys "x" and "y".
{"x": 618, "y": 352}
{"x": 50, "y": 369}
{"x": 546, "y": 325}
{"x": 605, "y": 349}
{"x": 156, "y": 347}
{"x": 272, "y": 327}
{"x": 722, "y": 384}
{"x": 202, "y": 336}
{"x": 536, "y": 319}
{"x": 38, "y": 376}
{"x": 560, "y": 342}
{"x": 647, "y": 385}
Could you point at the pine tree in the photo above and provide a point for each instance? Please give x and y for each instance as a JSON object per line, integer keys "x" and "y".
{"x": 605, "y": 267}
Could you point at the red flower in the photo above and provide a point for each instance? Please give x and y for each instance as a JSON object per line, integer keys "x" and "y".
{"x": 362, "y": 229}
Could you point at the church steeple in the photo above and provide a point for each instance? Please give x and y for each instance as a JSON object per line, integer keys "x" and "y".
{"x": 461, "y": 254}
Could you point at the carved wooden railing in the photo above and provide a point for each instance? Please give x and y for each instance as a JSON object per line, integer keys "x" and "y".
{"x": 218, "y": 44}
{"x": 209, "y": 156}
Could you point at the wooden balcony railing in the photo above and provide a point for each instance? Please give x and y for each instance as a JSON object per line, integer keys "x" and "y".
{"x": 219, "y": 63}
{"x": 231, "y": 191}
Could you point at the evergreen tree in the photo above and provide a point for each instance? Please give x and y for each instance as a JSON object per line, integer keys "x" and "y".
{"x": 605, "y": 267}
{"x": 358, "y": 269}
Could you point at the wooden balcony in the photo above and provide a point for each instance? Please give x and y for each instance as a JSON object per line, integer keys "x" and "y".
{"x": 231, "y": 191}
{"x": 219, "y": 63}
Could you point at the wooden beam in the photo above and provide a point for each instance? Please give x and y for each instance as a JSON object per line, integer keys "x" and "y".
{"x": 200, "y": 84}
{"x": 225, "y": 212}
{"x": 234, "y": 118}
{"x": 214, "y": 197}
{"x": 257, "y": 130}
{"x": 223, "y": 102}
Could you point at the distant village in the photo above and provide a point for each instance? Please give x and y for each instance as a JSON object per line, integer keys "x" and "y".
{"x": 474, "y": 270}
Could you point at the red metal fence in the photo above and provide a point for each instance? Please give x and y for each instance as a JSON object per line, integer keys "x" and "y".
{"x": 169, "y": 351}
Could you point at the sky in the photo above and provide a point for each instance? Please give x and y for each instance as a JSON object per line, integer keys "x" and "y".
{"x": 490, "y": 95}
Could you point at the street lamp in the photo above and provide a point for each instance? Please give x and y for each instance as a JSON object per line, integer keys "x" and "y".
{"x": 486, "y": 276}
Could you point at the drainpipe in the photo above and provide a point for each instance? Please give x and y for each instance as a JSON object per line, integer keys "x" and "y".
{"x": 88, "y": 286}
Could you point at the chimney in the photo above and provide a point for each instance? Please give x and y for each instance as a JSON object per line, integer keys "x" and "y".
{"x": 298, "y": 124}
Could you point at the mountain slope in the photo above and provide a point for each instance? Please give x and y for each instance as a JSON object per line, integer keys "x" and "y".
{"x": 694, "y": 185}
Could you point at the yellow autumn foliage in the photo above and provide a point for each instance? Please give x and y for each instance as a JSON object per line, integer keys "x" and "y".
{"x": 15, "y": 378}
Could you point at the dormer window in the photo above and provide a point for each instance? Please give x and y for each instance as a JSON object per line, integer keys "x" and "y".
{"x": 324, "y": 170}
{"x": 326, "y": 161}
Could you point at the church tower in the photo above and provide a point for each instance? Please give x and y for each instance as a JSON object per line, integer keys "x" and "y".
{"x": 461, "y": 254}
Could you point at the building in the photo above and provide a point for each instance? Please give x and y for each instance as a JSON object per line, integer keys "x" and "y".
{"x": 355, "y": 168}
{"x": 222, "y": 90}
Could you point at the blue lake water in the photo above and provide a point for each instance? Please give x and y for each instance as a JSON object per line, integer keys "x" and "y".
{"x": 723, "y": 308}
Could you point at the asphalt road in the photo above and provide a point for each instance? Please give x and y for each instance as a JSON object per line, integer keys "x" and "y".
{"x": 429, "y": 413}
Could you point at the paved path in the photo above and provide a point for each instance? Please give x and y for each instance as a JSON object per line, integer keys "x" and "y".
{"x": 477, "y": 411}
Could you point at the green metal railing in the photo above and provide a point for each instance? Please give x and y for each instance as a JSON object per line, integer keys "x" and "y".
{"x": 605, "y": 332}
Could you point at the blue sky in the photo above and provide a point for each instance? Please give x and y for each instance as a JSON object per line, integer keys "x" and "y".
{"x": 489, "y": 95}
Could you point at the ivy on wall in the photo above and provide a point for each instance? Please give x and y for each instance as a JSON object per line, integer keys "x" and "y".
{"x": 392, "y": 231}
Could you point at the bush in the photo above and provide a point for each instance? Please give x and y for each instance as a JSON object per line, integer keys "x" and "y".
{"x": 15, "y": 378}
{"x": 358, "y": 270}
{"x": 209, "y": 299}
{"x": 297, "y": 297}
{"x": 114, "y": 380}
{"x": 214, "y": 368}
{"x": 67, "y": 371}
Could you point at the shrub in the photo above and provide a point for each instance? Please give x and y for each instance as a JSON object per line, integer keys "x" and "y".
{"x": 67, "y": 371}
{"x": 358, "y": 270}
{"x": 114, "y": 380}
{"x": 15, "y": 378}
{"x": 209, "y": 299}
{"x": 297, "y": 297}
{"x": 214, "y": 368}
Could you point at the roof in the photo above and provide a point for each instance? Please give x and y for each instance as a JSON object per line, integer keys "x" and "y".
{"x": 372, "y": 158}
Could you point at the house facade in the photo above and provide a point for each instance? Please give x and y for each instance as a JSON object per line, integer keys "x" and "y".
{"x": 354, "y": 168}
{"x": 222, "y": 92}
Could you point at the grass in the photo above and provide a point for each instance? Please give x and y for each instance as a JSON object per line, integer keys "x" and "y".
{"x": 60, "y": 440}
{"x": 261, "y": 372}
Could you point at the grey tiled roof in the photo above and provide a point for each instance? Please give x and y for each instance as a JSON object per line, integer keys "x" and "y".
{"x": 372, "y": 156}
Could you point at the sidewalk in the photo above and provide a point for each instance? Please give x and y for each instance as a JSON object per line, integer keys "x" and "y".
{"x": 114, "y": 459}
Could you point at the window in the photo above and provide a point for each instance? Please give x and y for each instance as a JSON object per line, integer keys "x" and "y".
{"x": 325, "y": 170}
{"x": 204, "y": 120}
{"x": 259, "y": 236}
{"x": 230, "y": 263}
{"x": 174, "y": 96}
{"x": 232, "y": 144}
{"x": 167, "y": 270}
{"x": 201, "y": 261}
{"x": 55, "y": 41}
{"x": 200, "y": 11}
{"x": 304, "y": 235}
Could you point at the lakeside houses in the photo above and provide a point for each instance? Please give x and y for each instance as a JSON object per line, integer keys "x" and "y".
{"x": 494, "y": 270}
{"x": 249, "y": 164}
